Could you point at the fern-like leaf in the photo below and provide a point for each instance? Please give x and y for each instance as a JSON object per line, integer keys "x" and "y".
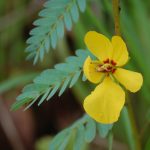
{"x": 56, "y": 15}
{"x": 78, "y": 131}
{"x": 81, "y": 132}
{"x": 50, "y": 81}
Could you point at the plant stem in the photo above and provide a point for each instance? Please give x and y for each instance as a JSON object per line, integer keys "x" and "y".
{"x": 110, "y": 141}
{"x": 116, "y": 11}
{"x": 133, "y": 126}
{"x": 127, "y": 113}
{"x": 130, "y": 129}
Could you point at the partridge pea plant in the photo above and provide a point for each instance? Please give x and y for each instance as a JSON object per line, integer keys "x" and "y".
{"x": 100, "y": 63}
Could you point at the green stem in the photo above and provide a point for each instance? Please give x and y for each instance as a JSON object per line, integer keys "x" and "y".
{"x": 110, "y": 141}
{"x": 116, "y": 16}
{"x": 130, "y": 128}
{"x": 134, "y": 132}
{"x": 127, "y": 113}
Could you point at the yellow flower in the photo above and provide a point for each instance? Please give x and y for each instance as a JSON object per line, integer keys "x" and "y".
{"x": 106, "y": 101}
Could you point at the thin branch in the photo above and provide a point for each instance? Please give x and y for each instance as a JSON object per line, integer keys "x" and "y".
{"x": 116, "y": 12}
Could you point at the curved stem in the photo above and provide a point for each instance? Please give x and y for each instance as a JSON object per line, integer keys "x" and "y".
{"x": 127, "y": 113}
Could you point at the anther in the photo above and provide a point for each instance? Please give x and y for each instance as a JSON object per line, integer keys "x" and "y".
{"x": 113, "y": 63}
{"x": 106, "y": 61}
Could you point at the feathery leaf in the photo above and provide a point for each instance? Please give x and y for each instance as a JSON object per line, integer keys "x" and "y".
{"x": 84, "y": 131}
{"x": 50, "y": 81}
{"x": 49, "y": 28}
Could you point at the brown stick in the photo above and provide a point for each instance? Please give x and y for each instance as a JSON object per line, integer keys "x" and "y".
{"x": 116, "y": 11}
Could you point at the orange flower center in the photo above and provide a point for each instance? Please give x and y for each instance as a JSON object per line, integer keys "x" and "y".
{"x": 108, "y": 66}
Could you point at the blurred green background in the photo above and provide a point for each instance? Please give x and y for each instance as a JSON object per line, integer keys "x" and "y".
{"x": 34, "y": 128}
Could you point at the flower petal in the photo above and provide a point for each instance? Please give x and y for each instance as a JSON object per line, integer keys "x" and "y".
{"x": 90, "y": 72}
{"x": 98, "y": 44}
{"x": 105, "y": 102}
{"x": 130, "y": 79}
{"x": 120, "y": 53}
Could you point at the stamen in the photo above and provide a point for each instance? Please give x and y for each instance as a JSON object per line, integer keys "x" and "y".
{"x": 100, "y": 68}
{"x": 106, "y": 61}
{"x": 107, "y": 67}
{"x": 113, "y": 63}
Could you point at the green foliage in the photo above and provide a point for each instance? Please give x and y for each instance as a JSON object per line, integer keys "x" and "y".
{"x": 134, "y": 18}
{"x": 82, "y": 131}
{"x": 147, "y": 146}
{"x": 50, "y": 27}
{"x": 50, "y": 81}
